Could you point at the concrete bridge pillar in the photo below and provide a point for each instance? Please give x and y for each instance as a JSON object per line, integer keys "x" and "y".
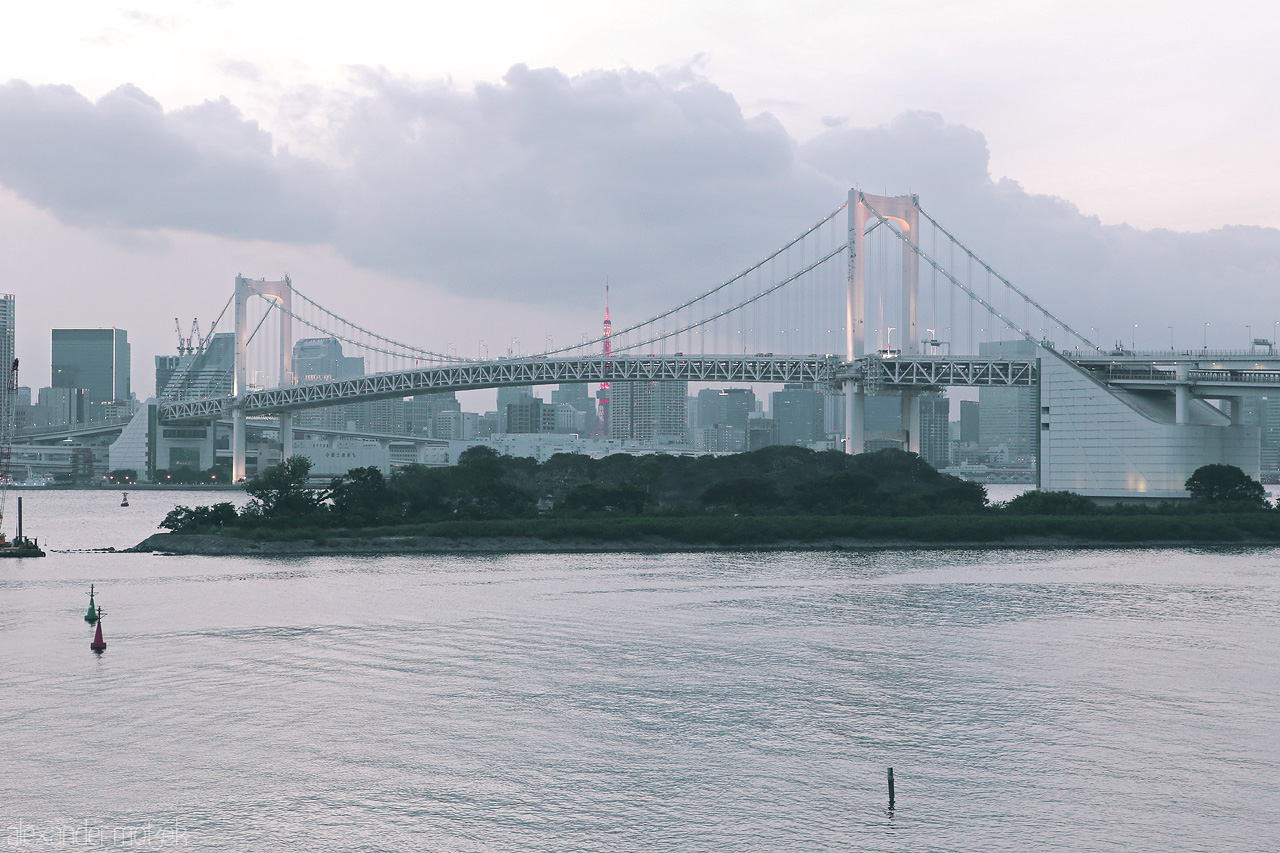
{"x": 286, "y": 435}
{"x": 238, "y": 443}
{"x": 911, "y": 419}
{"x": 855, "y": 404}
{"x": 1182, "y": 394}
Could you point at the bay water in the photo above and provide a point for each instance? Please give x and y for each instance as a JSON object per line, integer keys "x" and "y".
{"x": 1072, "y": 700}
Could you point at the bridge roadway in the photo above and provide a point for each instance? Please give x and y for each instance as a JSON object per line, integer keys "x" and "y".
{"x": 919, "y": 372}
{"x": 497, "y": 373}
{"x": 764, "y": 368}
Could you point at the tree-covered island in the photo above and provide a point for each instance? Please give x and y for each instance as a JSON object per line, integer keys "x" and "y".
{"x": 776, "y": 497}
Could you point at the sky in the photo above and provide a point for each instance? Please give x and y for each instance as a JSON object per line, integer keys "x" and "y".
{"x": 448, "y": 175}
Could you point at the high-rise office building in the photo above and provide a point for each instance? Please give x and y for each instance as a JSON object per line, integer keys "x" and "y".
{"x": 322, "y": 360}
{"x": 797, "y": 413}
{"x": 577, "y": 394}
{"x": 969, "y": 423}
{"x": 1269, "y": 438}
{"x": 530, "y": 414}
{"x": 96, "y": 360}
{"x": 422, "y": 414}
{"x": 935, "y": 430}
{"x": 209, "y": 372}
{"x": 61, "y": 406}
{"x": 1010, "y": 416}
{"x": 8, "y": 322}
{"x": 722, "y": 418}
{"x": 9, "y": 403}
{"x": 882, "y": 420}
{"x": 649, "y": 411}
{"x": 513, "y": 394}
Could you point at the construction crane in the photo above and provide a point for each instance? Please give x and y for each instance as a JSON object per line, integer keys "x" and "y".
{"x": 193, "y": 342}
{"x": 184, "y": 344}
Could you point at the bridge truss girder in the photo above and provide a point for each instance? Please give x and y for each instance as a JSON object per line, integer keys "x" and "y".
{"x": 933, "y": 372}
{"x": 507, "y": 372}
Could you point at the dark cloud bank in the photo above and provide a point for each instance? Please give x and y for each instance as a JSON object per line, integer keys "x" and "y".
{"x": 537, "y": 187}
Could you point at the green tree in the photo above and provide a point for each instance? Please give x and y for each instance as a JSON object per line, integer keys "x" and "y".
{"x": 185, "y": 519}
{"x": 362, "y": 496}
{"x": 849, "y": 492}
{"x": 1218, "y": 483}
{"x": 750, "y": 494}
{"x": 282, "y": 492}
{"x": 1037, "y": 502}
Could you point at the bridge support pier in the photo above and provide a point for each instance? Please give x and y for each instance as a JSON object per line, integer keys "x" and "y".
{"x": 286, "y": 435}
{"x": 911, "y": 419}
{"x": 238, "y": 440}
{"x": 1182, "y": 394}
{"x": 855, "y": 405}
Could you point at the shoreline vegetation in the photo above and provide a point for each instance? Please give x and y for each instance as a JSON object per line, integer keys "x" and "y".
{"x": 777, "y": 498}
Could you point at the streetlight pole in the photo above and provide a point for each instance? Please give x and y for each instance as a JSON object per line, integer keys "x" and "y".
{"x": 1133, "y": 341}
{"x": 1206, "y": 337}
{"x": 1171, "y": 339}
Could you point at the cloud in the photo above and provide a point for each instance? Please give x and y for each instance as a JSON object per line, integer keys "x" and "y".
{"x": 535, "y": 187}
{"x": 542, "y": 185}
{"x": 1094, "y": 276}
{"x": 123, "y": 162}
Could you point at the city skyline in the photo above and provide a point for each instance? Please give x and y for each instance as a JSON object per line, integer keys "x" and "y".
{"x": 664, "y": 165}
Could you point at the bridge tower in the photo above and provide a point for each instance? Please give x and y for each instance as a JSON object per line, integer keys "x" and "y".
{"x": 281, "y": 294}
{"x": 904, "y": 213}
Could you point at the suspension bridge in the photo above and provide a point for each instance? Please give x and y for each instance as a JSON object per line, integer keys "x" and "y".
{"x": 823, "y": 308}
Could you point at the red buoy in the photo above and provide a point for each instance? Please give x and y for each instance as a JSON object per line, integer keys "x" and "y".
{"x": 99, "y": 645}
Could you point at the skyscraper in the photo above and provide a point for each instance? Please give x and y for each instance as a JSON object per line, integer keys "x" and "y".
{"x": 935, "y": 430}
{"x": 576, "y": 394}
{"x": 96, "y": 360}
{"x": 1010, "y": 416}
{"x": 797, "y": 412}
{"x": 970, "y": 416}
{"x": 7, "y": 322}
{"x": 204, "y": 372}
{"x": 722, "y": 418}
{"x": 649, "y": 411}
{"x": 9, "y": 401}
{"x": 602, "y": 419}
{"x": 320, "y": 360}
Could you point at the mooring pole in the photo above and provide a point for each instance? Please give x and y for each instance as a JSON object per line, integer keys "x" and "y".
{"x": 890, "y": 787}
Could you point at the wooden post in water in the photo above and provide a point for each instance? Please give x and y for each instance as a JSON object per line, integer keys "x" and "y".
{"x": 890, "y": 787}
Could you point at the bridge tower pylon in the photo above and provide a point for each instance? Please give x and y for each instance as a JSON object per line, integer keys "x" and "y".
{"x": 904, "y": 213}
{"x": 280, "y": 294}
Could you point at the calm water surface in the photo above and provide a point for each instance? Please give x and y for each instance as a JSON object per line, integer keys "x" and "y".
{"x": 1046, "y": 700}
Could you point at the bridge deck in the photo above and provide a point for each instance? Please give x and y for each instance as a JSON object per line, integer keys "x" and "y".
{"x": 506, "y": 372}
{"x": 902, "y": 372}
{"x": 918, "y": 372}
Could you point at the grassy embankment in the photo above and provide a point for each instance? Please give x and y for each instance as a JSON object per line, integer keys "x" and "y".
{"x": 992, "y": 528}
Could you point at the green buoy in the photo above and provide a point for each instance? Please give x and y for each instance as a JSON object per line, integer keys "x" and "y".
{"x": 92, "y": 616}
